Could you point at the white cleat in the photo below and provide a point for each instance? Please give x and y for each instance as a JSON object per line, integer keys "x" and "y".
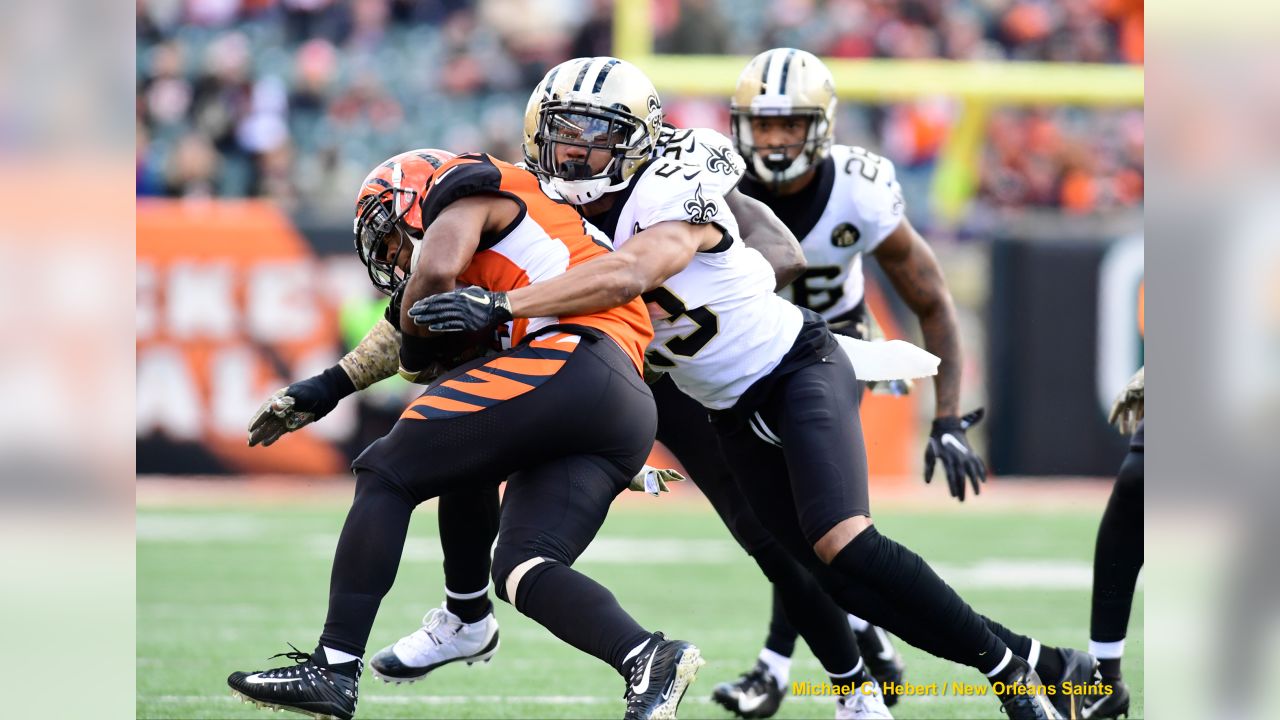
{"x": 442, "y": 639}
{"x": 860, "y": 705}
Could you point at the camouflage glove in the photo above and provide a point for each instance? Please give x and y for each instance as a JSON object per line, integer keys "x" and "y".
{"x": 298, "y": 405}
{"x": 1130, "y": 405}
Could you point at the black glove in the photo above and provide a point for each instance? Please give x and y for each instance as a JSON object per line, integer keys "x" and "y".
{"x": 302, "y": 403}
{"x": 469, "y": 309}
{"x": 393, "y": 308}
{"x": 948, "y": 443}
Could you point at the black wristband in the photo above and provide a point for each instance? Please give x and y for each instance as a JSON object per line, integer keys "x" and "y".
{"x": 337, "y": 379}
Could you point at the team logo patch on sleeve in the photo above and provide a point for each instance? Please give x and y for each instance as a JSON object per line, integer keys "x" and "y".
{"x": 700, "y": 209}
{"x": 845, "y": 235}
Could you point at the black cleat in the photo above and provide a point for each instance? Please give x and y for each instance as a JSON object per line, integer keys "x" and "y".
{"x": 756, "y": 694}
{"x": 660, "y": 674}
{"x": 307, "y": 687}
{"x": 1079, "y": 669}
{"x": 882, "y": 659}
{"x": 1024, "y": 695}
{"x": 1102, "y": 705}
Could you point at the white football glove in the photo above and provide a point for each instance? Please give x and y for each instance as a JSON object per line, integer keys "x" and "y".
{"x": 654, "y": 480}
{"x": 1130, "y": 405}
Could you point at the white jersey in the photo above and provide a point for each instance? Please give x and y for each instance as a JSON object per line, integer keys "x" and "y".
{"x": 718, "y": 325}
{"x": 864, "y": 205}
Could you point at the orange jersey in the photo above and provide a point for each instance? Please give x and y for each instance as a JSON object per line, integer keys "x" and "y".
{"x": 546, "y": 239}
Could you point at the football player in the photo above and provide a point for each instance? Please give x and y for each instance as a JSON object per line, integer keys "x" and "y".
{"x": 781, "y": 398}
{"x": 842, "y": 202}
{"x": 386, "y": 228}
{"x": 1118, "y": 557}
{"x": 564, "y": 415}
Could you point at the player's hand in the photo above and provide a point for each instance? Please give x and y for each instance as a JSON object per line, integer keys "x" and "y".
{"x": 465, "y": 310}
{"x": 392, "y": 313}
{"x": 654, "y": 480}
{"x": 298, "y": 405}
{"x": 948, "y": 444}
{"x": 1129, "y": 408}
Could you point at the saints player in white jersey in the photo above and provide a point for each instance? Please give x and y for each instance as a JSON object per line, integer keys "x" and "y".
{"x": 781, "y": 397}
{"x": 842, "y": 202}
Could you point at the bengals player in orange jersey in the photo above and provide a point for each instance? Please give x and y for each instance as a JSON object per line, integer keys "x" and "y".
{"x": 563, "y": 414}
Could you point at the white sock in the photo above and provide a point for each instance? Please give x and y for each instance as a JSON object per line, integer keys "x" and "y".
{"x": 337, "y": 657}
{"x": 1106, "y": 650}
{"x": 635, "y": 651}
{"x": 1004, "y": 662}
{"x": 842, "y": 676}
{"x": 779, "y": 665}
{"x": 858, "y": 624}
{"x": 466, "y": 596}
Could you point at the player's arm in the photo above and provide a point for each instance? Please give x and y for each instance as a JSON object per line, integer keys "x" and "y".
{"x": 913, "y": 269}
{"x": 610, "y": 280}
{"x": 375, "y": 358}
{"x": 764, "y": 232}
{"x": 448, "y": 244}
{"x": 607, "y": 281}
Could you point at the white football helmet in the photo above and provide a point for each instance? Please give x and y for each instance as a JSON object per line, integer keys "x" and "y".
{"x": 584, "y": 110}
{"x": 783, "y": 82}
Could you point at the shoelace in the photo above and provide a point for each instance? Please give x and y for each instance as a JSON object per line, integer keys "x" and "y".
{"x": 436, "y": 627}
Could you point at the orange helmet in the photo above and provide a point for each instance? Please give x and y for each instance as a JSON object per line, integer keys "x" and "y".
{"x": 388, "y": 203}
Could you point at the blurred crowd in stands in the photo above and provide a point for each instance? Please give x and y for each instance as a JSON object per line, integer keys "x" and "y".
{"x": 295, "y": 100}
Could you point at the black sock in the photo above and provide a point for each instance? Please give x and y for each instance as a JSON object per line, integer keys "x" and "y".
{"x": 1110, "y": 669}
{"x": 470, "y": 610}
{"x": 801, "y": 605}
{"x": 579, "y": 611}
{"x": 904, "y": 578}
{"x": 366, "y": 561}
{"x": 1050, "y": 666}
{"x": 468, "y": 524}
{"x": 782, "y": 637}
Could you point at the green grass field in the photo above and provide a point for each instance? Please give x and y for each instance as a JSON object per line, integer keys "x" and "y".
{"x": 220, "y": 589}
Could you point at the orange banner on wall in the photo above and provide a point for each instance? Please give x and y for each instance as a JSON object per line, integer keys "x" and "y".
{"x": 228, "y": 309}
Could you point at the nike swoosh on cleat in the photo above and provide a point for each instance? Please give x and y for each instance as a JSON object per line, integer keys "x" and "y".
{"x": 643, "y": 686}
{"x": 259, "y": 680}
{"x": 949, "y": 439}
{"x": 748, "y": 703}
{"x": 1089, "y": 710}
{"x": 886, "y": 652}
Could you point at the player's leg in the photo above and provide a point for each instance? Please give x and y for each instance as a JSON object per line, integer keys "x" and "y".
{"x": 810, "y": 419}
{"x": 1117, "y": 560}
{"x": 550, "y": 514}
{"x": 484, "y": 420}
{"x": 464, "y": 628}
{"x": 684, "y": 429}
